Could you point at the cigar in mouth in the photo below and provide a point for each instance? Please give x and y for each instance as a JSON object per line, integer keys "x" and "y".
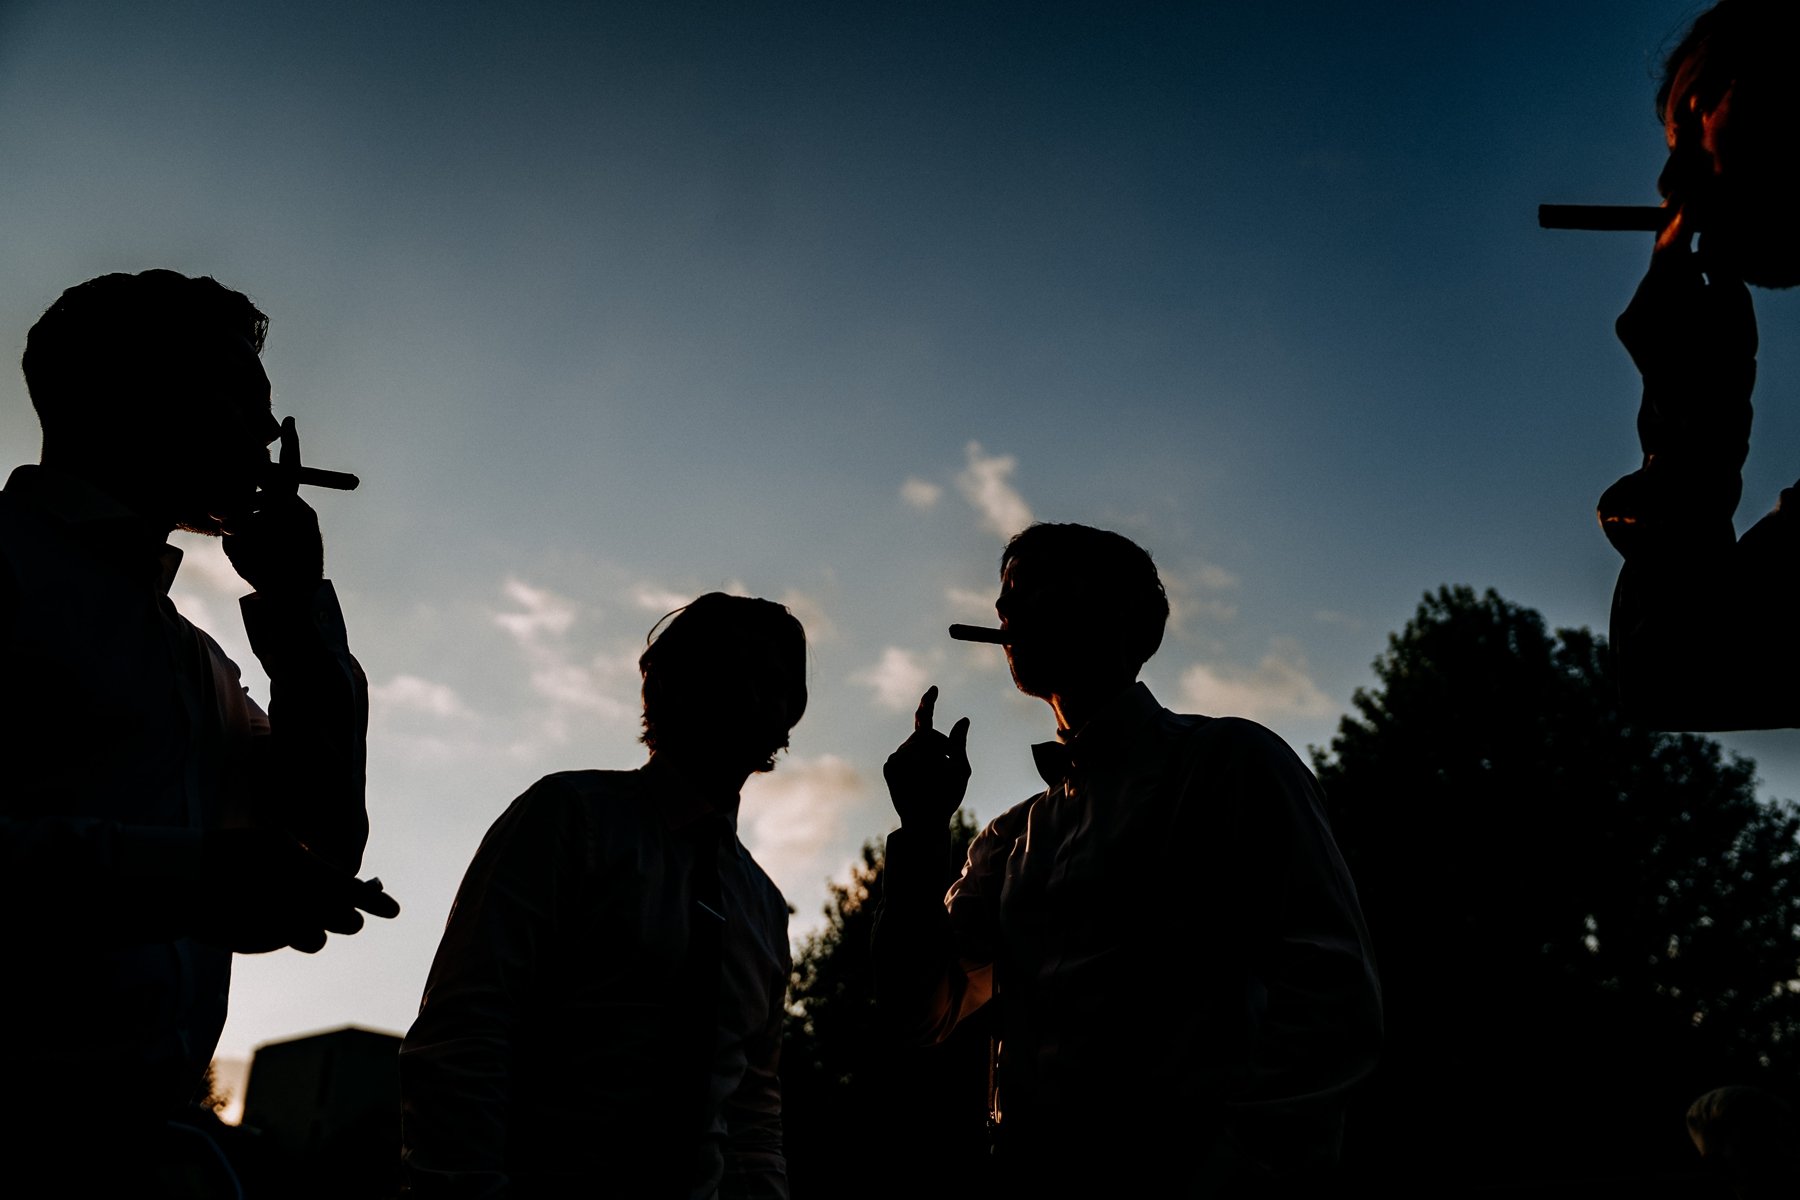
{"x": 975, "y": 633}
{"x": 1637, "y": 218}
{"x": 341, "y": 481}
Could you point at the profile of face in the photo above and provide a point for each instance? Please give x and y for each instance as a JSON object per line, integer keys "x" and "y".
{"x": 1060, "y": 632}
{"x": 217, "y": 456}
{"x": 1733, "y": 154}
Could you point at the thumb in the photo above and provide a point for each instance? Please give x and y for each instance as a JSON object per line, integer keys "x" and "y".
{"x": 959, "y": 738}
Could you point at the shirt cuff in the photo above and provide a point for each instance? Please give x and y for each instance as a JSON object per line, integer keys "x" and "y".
{"x": 281, "y": 625}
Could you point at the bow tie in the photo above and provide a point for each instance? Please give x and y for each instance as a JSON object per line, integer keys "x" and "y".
{"x": 1056, "y": 763}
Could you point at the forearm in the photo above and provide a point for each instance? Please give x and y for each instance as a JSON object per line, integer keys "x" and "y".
{"x": 1708, "y": 642}
{"x": 920, "y": 983}
{"x": 314, "y": 763}
{"x": 755, "y": 1161}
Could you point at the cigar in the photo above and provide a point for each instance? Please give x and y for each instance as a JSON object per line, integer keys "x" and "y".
{"x": 1640, "y": 218}
{"x": 975, "y": 633}
{"x": 341, "y": 481}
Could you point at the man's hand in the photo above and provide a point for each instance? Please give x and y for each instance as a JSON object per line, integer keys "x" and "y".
{"x": 277, "y": 546}
{"x": 929, "y": 773}
{"x": 1692, "y": 336}
{"x": 265, "y": 891}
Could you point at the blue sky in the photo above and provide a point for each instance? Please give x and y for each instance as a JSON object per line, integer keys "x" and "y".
{"x": 612, "y": 304}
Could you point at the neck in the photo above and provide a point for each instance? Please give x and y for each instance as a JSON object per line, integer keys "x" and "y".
{"x": 716, "y": 787}
{"x": 1076, "y": 708}
{"x": 117, "y": 484}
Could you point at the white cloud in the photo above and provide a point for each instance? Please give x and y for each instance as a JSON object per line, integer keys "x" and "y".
{"x": 204, "y": 566}
{"x": 572, "y": 682}
{"x": 1278, "y": 686}
{"x": 545, "y": 613}
{"x": 658, "y": 600}
{"x": 410, "y": 693}
{"x": 811, "y": 615}
{"x": 1193, "y": 594}
{"x": 899, "y": 679}
{"x": 986, "y": 484}
{"x": 1214, "y": 577}
{"x": 791, "y": 816}
{"x": 920, "y": 493}
{"x": 974, "y": 603}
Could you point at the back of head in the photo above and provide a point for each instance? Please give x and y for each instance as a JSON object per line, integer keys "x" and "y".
{"x": 1751, "y": 42}
{"x": 726, "y": 675}
{"x": 1116, "y": 577}
{"x": 119, "y": 355}
{"x": 1752, "y": 1134}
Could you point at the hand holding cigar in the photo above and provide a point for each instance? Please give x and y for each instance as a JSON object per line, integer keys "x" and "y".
{"x": 288, "y": 473}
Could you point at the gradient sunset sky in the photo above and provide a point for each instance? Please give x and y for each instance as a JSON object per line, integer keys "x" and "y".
{"x": 612, "y": 304}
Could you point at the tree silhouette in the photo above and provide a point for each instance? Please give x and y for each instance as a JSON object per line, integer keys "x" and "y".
{"x": 1581, "y": 925}
{"x": 861, "y": 1112}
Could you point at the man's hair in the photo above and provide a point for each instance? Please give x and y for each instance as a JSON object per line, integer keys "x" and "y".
{"x": 1118, "y": 573}
{"x": 1753, "y": 39}
{"x": 722, "y": 636}
{"x": 105, "y": 348}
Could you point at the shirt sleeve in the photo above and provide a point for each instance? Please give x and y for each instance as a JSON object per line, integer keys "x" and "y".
{"x": 934, "y": 951}
{"x": 456, "y": 1062}
{"x": 1702, "y": 629}
{"x": 308, "y": 769}
{"x": 1316, "y": 1002}
{"x": 755, "y": 1165}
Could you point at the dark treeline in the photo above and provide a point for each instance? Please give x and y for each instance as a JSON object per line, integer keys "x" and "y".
{"x": 1581, "y": 926}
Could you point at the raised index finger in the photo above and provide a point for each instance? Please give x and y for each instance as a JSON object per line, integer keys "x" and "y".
{"x": 927, "y": 702}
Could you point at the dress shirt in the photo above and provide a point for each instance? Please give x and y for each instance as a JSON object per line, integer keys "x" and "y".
{"x": 552, "y": 1048}
{"x": 1174, "y": 941}
{"x": 127, "y": 735}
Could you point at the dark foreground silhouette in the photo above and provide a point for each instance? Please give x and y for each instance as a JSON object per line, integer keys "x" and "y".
{"x": 153, "y": 819}
{"x": 604, "y": 1014}
{"x": 1704, "y": 623}
{"x": 1184, "y": 986}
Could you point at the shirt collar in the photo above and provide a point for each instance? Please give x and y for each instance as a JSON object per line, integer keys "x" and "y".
{"x": 683, "y": 803}
{"x": 1106, "y": 733}
{"x": 97, "y": 520}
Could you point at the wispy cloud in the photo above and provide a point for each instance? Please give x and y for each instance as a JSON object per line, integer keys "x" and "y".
{"x": 899, "y": 679}
{"x": 1278, "y": 686}
{"x": 792, "y": 816}
{"x": 572, "y": 683}
{"x": 410, "y": 693}
{"x": 811, "y": 614}
{"x": 921, "y": 494}
{"x": 1196, "y": 593}
{"x": 974, "y": 603}
{"x": 986, "y": 483}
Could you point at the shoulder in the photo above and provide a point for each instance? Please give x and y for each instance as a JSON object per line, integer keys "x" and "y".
{"x": 1235, "y": 747}
{"x": 997, "y": 838}
{"x": 571, "y": 800}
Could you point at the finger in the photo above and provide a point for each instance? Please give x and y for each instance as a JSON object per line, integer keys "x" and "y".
{"x": 287, "y": 471}
{"x": 927, "y": 702}
{"x": 959, "y": 739}
{"x": 343, "y": 920}
{"x": 376, "y": 902}
{"x": 309, "y": 942}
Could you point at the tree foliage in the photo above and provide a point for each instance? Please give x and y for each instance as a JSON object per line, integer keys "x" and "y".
{"x": 1580, "y": 924}
{"x": 858, "y": 1105}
